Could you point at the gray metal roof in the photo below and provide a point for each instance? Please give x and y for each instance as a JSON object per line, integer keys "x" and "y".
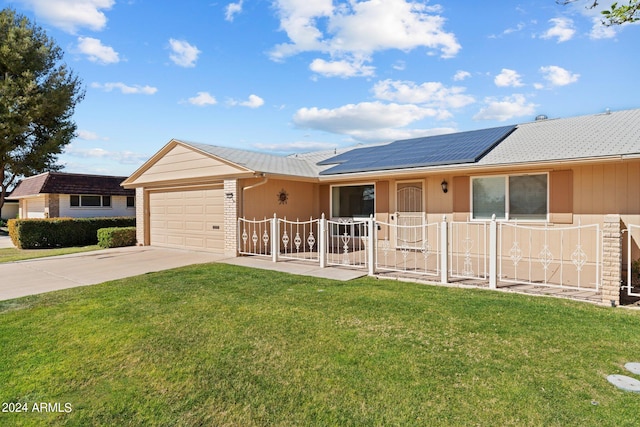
{"x": 261, "y": 162}
{"x": 598, "y": 135}
{"x": 584, "y": 137}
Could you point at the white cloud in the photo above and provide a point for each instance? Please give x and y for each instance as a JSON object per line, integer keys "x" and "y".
{"x": 125, "y": 89}
{"x": 183, "y": 53}
{"x": 558, "y": 76}
{"x": 390, "y": 134}
{"x": 356, "y": 30}
{"x": 433, "y": 94}
{"x": 123, "y": 157}
{"x": 341, "y": 68}
{"x": 232, "y": 10}
{"x": 89, "y": 136}
{"x": 298, "y": 146}
{"x": 506, "y": 109}
{"x": 254, "y": 101}
{"x": 96, "y": 51}
{"x": 354, "y": 119}
{"x": 202, "y": 99}
{"x": 601, "y": 31}
{"x": 562, "y": 29}
{"x": 461, "y": 75}
{"x": 508, "y": 78}
{"x": 71, "y": 15}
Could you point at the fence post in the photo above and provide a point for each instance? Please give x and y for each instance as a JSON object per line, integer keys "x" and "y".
{"x": 493, "y": 253}
{"x": 372, "y": 245}
{"x": 444, "y": 251}
{"x": 275, "y": 238}
{"x": 322, "y": 241}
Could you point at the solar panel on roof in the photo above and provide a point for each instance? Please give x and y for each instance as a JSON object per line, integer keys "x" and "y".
{"x": 455, "y": 148}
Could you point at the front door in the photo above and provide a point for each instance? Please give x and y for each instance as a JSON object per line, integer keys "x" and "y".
{"x": 410, "y": 214}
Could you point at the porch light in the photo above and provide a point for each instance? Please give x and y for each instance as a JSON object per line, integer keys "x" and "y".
{"x": 444, "y": 186}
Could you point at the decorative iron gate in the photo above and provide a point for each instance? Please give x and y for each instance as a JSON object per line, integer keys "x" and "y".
{"x": 411, "y": 249}
{"x": 469, "y": 250}
{"x": 346, "y": 242}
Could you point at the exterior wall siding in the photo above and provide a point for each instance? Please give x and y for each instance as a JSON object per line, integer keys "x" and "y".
{"x": 262, "y": 201}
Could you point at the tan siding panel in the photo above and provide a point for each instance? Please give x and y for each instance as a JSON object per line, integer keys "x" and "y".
{"x": 183, "y": 163}
{"x": 461, "y": 195}
{"x": 382, "y": 197}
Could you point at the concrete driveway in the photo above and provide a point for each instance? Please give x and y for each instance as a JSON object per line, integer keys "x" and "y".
{"x": 41, "y": 275}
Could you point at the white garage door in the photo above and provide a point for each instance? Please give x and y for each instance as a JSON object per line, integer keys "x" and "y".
{"x": 35, "y": 207}
{"x": 189, "y": 219}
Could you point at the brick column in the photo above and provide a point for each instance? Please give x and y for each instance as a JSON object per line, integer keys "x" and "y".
{"x": 611, "y": 259}
{"x": 231, "y": 218}
{"x": 54, "y": 206}
{"x": 140, "y": 219}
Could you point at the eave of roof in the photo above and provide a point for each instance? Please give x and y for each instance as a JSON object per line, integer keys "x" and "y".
{"x": 70, "y": 183}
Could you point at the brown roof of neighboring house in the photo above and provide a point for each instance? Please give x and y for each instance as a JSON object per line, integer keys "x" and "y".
{"x": 70, "y": 183}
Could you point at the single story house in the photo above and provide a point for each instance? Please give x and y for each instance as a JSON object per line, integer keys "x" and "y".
{"x": 549, "y": 173}
{"x": 9, "y": 208}
{"x": 61, "y": 194}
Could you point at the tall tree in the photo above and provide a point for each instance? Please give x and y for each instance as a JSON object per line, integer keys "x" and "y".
{"x": 38, "y": 95}
{"x": 617, "y": 14}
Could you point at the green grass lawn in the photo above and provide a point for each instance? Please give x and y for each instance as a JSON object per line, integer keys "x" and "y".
{"x": 13, "y": 254}
{"x": 219, "y": 345}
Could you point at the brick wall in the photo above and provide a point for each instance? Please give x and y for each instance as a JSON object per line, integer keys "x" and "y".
{"x": 231, "y": 218}
{"x": 54, "y": 205}
{"x": 611, "y": 259}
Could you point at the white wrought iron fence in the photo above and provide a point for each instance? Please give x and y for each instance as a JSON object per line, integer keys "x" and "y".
{"x": 633, "y": 260}
{"x": 254, "y": 236}
{"x": 346, "y": 242}
{"x": 411, "y": 249}
{"x": 469, "y": 250}
{"x": 567, "y": 257}
{"x": 299, "y": 239}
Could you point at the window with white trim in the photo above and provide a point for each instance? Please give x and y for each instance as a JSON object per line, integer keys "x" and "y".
{"x": 512, "y": 197}
{"x": 89, "y": 201}
{"x": 351, "y": 201}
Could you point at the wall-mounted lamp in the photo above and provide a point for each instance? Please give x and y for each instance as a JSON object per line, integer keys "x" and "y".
{"x": 444, "y": 186}
{"x": 228, "y": 195}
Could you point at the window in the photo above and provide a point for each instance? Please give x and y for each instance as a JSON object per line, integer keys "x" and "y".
{"x": 131, "y": 202}
{"x": 352, "y": 201}
{"x": 86, "y": 201}
{"x": 516, "y": 197}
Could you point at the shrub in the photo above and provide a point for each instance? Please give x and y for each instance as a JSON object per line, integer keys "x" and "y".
{"x": 115, "y": 237}
{"x": 61, "y": 232}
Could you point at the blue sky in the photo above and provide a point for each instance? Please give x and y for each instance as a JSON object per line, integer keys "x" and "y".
{"x": 286, "y": 76}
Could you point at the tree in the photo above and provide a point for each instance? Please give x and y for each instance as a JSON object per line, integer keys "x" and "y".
{"x": 617, "y": 14}
{"x": 38, "y": 95}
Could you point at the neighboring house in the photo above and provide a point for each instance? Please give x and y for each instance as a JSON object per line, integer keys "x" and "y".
{"x": 9, "y": 208}
{"x": 547, "y": 173}
{"x": 60, "y": 194}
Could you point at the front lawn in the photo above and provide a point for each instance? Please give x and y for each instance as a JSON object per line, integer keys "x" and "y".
{"x": 13, "y": 254}
{"x": 219, "y": 345}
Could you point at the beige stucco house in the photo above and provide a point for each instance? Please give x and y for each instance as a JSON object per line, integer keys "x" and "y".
{"x": 549, "y": 173}
{"x": 71, "y": 195}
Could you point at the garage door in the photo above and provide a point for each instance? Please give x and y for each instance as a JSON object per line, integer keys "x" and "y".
{"x": 190, "y": 219}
